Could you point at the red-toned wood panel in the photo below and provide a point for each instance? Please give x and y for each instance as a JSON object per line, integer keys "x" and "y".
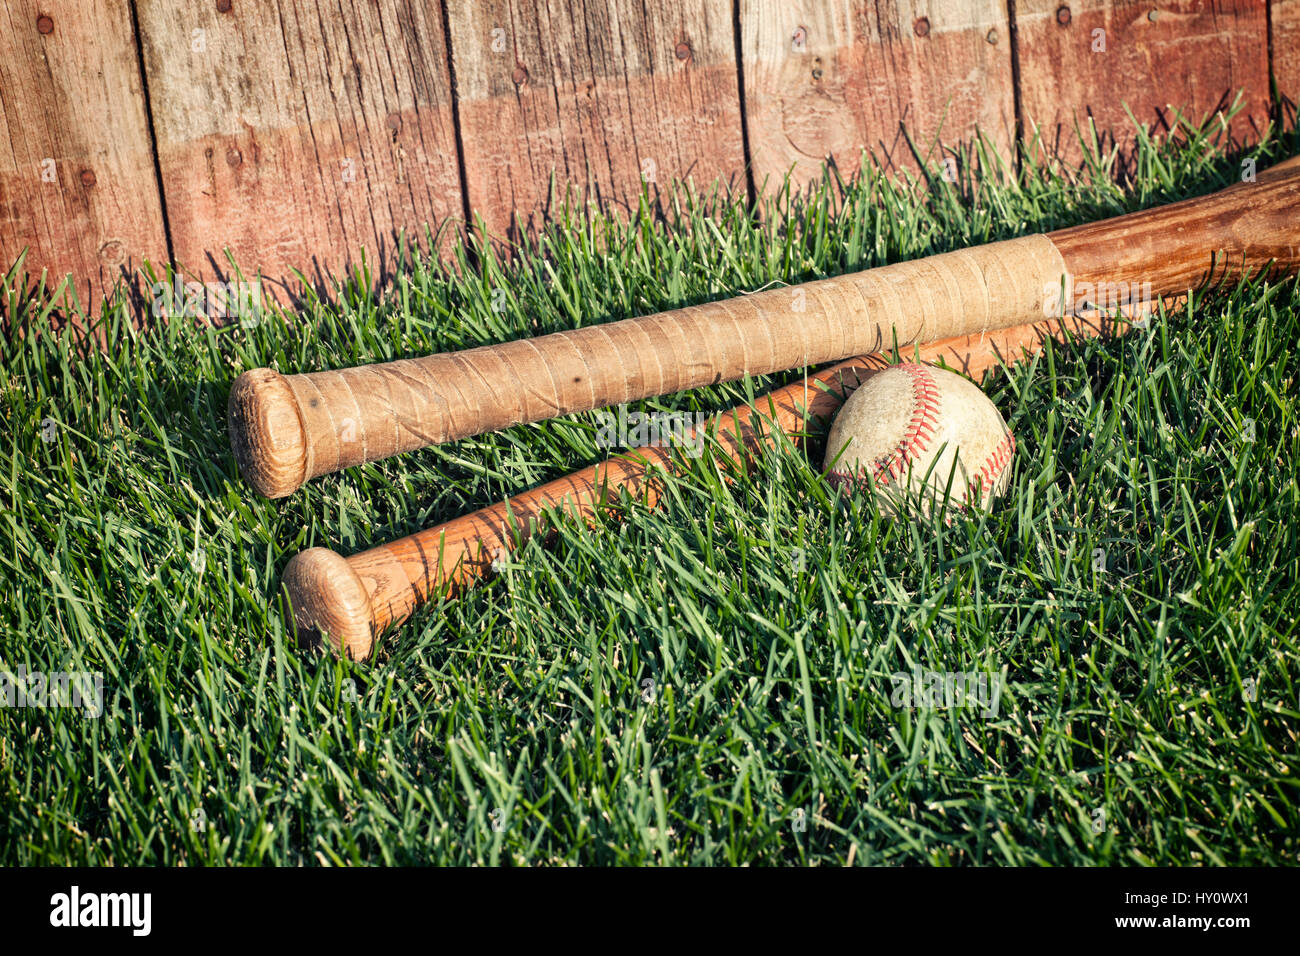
{"x": 600, "y": 96}
{"x": 77, "y": 183}
{"x": 298, "y": 132}
{"x": 823, "y": 81}
{"x": 1083, "y": 59}
{"x": 1285, "y": 16}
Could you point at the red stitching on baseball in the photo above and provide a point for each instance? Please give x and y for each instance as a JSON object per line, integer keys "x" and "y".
{"x": 920, "y": 430}
{"x": 998, "y": 459}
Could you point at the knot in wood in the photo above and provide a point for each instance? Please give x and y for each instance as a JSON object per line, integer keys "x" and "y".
{"x": 112, "y": 252}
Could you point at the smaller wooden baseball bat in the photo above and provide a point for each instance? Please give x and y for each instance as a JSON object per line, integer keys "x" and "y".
{"x": 350, "y": 601}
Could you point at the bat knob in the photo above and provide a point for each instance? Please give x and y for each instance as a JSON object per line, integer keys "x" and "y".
{"x": 329, "y": 600}
{"x": 266, "y": 433}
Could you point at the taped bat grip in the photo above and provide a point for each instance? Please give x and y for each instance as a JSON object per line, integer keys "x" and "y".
{"x": 266, "y": 433}
{"x": 288, "y": 429}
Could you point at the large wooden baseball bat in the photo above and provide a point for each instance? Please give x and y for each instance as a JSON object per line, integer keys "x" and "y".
{"x": 286, "y": 429}
{"x": 349, "y": 601}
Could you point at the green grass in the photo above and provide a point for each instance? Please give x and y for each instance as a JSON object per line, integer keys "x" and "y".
{"x": 769, "y": 614}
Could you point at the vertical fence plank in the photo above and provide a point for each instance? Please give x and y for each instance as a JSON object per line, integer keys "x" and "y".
{"x": 1286, "y": 55}
{"x": 1082, "y": 59}
{"x": 823, "y": 81}
{"x": 601, "y": 96}
{"x": 77, "y": 182}
{"x": 298, "y": 132}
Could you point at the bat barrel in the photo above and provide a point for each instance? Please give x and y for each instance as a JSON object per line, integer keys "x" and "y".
{"x": 1167, "y": 250}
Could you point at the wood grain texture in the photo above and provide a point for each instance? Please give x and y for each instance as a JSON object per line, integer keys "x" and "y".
{"x": 77, "y": 183}
{"x": 1243, "y": 229}
{"x": 597, "y": 96}
{"x": 298, "y": 132}
{"x": 349, "y": 602}
{"x": 1190, "y": 55}
{"x": 1285, "y": 21}
{"x": 823, "y": 81}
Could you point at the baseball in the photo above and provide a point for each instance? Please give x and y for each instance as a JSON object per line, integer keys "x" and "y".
{"x": 909, "y": 429}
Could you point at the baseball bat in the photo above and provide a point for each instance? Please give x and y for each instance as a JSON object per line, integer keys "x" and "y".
{"x": 286, "y": 429}
{"x": 350, "y": 601}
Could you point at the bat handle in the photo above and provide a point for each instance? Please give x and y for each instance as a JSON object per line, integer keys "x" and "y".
{"x": 328, "y": 597}
{"x": 352, "y": 600}
{"x": 266, "y": 433}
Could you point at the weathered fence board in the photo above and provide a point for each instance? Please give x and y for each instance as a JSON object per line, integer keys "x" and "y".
{"x": 1082, "y": 59}
{"x": 1285, "y": 16}
{"x": 823, "y": 81}
{"x": 77, "y": 182}
{"x": 297, "y": 132}
{"x": 601, "y": 95}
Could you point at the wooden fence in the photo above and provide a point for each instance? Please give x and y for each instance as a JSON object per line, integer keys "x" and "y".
{"x": 295, "y": 133}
